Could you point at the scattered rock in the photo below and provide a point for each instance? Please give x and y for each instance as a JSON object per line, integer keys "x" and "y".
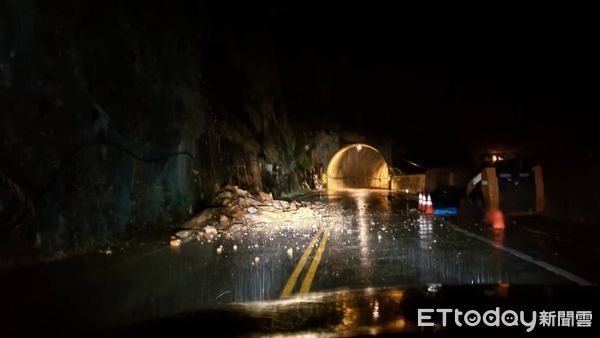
{"x": 201, "y": 219}
{"x": 108, "y": 252}
{"x": 234, "y": 208}
{"x": 247, "y": 202}
{"x": 281, "y": 205}
{"x": 242, "y": 192}
{"x": 175, "y": 242}
{"x": 264, "y": 197}
{"x": 222, "y": 196}
{"x": 183, "y": 234}
{"x": 210, "y": 230}
{"x": 236, "y": 212}
{"x": 268, "y": 208}
{"x": 231, "y": 188}
{"x": 224, "y": 220}
{"x": 236, "y": 229}
{"x": 264, "y": 217}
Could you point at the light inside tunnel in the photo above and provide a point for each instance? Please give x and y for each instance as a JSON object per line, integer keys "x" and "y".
{"x": 363, "y": 168}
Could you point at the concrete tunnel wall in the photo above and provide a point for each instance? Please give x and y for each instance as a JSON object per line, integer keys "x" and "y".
{"x": 358, "y": 166}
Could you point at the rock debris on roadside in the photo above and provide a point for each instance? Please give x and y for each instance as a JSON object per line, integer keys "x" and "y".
{"x": 233, "y": 209}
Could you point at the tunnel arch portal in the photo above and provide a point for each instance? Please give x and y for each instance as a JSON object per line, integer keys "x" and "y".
{"x": 358, "y": 166}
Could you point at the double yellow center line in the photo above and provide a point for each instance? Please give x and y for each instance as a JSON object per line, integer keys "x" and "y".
{"x": 310, "y": 275}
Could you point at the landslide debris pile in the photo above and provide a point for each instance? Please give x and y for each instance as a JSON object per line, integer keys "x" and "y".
{"x": 234, "y": 208}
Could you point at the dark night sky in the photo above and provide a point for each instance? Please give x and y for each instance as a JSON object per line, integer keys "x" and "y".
{"x": 451, "y": 82}
{"x": 433, "y": 81}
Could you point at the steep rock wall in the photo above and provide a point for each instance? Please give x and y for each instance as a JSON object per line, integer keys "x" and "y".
{"x": 111, "y": 126}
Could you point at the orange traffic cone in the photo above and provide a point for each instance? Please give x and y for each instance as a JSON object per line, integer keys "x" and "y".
{"x": 496, "y": 218}
{"x": 428, "y": 205}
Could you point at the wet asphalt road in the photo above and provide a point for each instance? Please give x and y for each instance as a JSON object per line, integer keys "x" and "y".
{"x": 361, "y": 239}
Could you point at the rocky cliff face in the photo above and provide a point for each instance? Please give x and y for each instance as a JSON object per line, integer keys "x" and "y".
{"x": 115, "y": 122}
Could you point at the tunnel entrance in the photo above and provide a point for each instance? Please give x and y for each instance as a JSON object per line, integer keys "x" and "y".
{"x": 358, "y": 166}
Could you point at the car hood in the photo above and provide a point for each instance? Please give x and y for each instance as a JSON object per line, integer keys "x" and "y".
{"x": 370, "y": 311}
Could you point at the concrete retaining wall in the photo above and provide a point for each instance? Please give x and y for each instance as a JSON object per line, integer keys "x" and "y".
{"x": 447, "y": 176}
{"x": 408, "y": 183}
